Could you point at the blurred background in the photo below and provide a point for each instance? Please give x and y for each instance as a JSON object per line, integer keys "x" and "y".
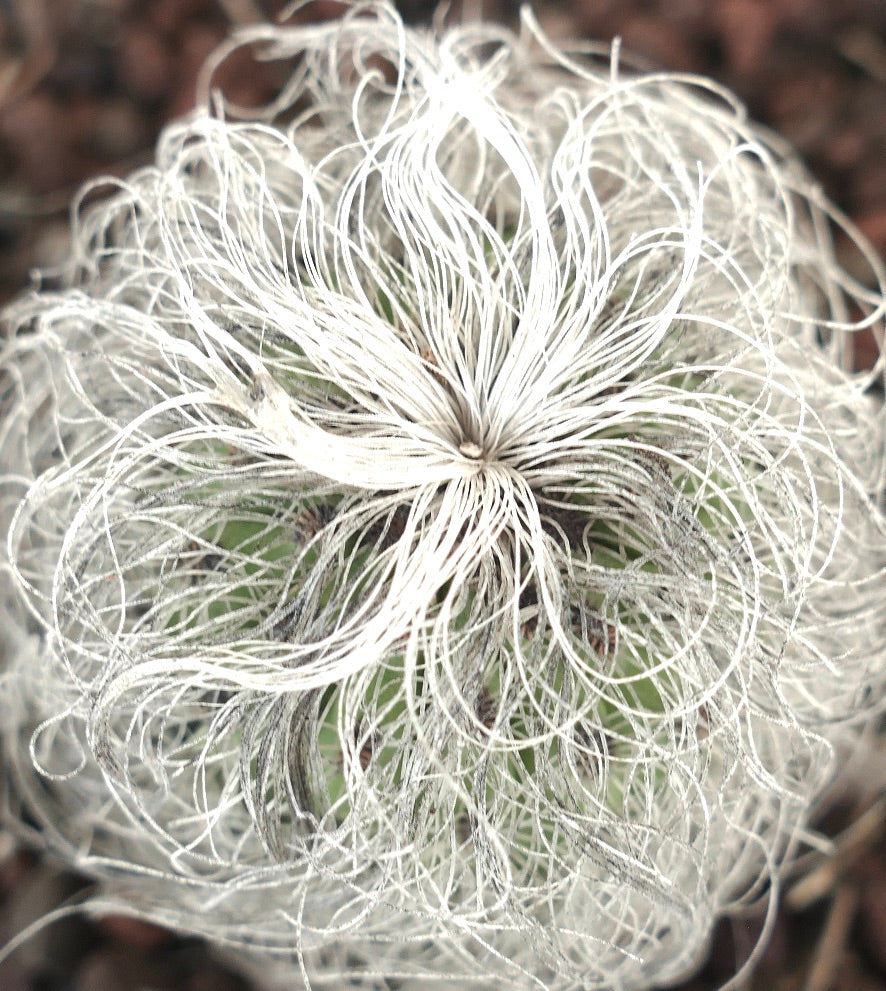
{"x": 85, "y": 86}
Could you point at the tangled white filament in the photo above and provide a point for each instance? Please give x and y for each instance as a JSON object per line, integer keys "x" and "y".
{"x": 450, "y": 528}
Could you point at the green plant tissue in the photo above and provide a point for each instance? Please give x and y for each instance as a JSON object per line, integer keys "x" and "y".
{"x": 445, "y": 526}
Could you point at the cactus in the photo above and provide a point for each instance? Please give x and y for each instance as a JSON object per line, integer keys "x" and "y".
{"x": 445, "y": 528}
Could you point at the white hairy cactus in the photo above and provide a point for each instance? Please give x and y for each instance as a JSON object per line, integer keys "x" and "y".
{"x": 446, "y": 531}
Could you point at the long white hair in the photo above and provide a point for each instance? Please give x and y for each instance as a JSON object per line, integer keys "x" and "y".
{"x": 446, "y": 532}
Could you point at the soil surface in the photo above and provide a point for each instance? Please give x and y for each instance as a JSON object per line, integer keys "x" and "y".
{"x": 85, "y": 86}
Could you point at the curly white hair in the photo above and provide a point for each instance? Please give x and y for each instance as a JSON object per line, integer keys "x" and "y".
{"x": 446, "y": 531}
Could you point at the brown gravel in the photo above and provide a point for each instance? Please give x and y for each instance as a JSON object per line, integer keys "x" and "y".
{"x": 85, "y": 86}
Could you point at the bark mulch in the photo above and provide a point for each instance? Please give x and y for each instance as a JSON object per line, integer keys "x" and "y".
{"x": 85, "y": 86}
